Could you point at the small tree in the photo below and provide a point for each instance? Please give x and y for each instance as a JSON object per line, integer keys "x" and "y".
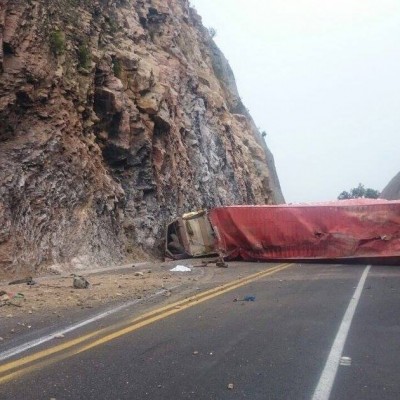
{"x": 359, "y": 192}
{"x": 371, "y": 193}
{"x": 212, "y": 31}
{"x": 344, "y": 195}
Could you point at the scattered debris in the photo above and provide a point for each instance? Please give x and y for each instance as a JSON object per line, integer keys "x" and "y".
{"x": 59, "y": 336}
{"x": 246, "y": 298}
{"x": 230, "y": 386}
{"x": 80, "y": 282}
{"x": 345, "y": 361}
{"x": 221, "y": 263}
{"x": 28, "y": 280}
{"x": 6, "y": 299}
{"x": 52, "y": 294}
{"x": 181, "y": 268}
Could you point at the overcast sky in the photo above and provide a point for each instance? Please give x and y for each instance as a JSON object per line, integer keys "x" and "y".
{"x": 321, "y": 77}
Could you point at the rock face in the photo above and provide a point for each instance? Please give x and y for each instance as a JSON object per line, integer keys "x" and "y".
{"x": 115, "y": 116}
{"x": 392, "y": 190}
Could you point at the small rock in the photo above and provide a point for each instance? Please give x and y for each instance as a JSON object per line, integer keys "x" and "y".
{"x": 1, "y": 339}
{"x": 139, "y": 274}
{"x": 230, "y": 386}
{"x": 29, "y": 312}
{"x": 195, "y": 352}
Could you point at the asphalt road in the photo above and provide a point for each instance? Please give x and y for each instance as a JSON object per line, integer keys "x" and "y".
{"x": 273, "y": 348}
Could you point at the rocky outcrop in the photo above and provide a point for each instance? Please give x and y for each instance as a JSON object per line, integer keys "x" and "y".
{"x": 115, "y": 116}
{"x": 392, "y": 190}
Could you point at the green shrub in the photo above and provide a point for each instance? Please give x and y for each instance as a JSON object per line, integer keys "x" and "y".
{"x": 57, "y": 43}
{"x": 84, "y": 56}
{"x": 117, "y": 68}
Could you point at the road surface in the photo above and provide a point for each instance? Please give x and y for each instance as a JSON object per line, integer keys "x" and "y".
{"x": 313, "y": 332}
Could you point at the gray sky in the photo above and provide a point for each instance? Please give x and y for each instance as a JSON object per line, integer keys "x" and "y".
{"x": 321, "y": 77}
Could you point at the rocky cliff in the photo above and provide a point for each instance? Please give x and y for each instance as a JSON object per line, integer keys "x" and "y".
{"x": 392, "y": 190}
{"x": 115, "y": 116}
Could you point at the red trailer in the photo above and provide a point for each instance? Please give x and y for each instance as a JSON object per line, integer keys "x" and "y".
{"x": 345, "y": 229}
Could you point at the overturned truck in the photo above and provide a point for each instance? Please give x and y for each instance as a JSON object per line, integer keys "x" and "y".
{"x": 346, "y": 229}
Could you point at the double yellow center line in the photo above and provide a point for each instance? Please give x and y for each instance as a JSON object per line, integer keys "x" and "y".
{"x": 83, "y": 343}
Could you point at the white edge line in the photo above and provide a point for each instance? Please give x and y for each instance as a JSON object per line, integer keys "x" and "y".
{"x": 325, "y": 383}
{"x": 37, "y": 342}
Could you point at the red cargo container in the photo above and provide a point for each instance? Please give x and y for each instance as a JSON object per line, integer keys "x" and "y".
{"x": 345, "y": 229}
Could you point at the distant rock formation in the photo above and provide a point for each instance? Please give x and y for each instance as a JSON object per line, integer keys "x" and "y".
{"x": 115, "y": 117}
{"x": 392, "y": 190}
